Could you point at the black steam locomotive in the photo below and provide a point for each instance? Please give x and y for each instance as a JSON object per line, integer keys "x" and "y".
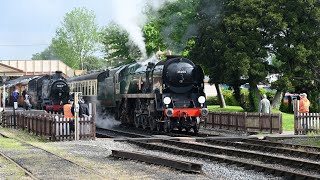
{"x": 49, "y": 92}
{"x": 160, "y": 95}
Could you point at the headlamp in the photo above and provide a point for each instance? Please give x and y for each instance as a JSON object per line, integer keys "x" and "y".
{"x": 201, "y": 99}
{"x": 167, "y": 100}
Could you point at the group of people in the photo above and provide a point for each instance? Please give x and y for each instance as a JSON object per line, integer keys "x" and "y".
{"x": 26, "y": 98}
{"x": 304, "y": 104}
{"x": 69, "y": 109}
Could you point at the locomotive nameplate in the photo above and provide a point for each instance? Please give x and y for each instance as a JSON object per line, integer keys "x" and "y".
{"x": 138, "y": 95}
{"x": 60, "y": 85}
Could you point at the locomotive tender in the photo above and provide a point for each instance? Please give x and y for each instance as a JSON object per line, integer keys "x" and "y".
{"x": 49, "y": 92}
{"x": 164, "y": 95}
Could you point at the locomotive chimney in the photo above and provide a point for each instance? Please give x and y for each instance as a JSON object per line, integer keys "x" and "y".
{"x": 172, "y": 56}
{"x": 59, "y": 74}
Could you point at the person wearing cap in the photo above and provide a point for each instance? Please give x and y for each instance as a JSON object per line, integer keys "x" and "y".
{"x": 264, "y": 105}
{"x": 304, "y": 103}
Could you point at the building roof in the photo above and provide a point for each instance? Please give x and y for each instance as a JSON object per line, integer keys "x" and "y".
{"x": 6, "y": 70}
{"x": 23, "y": 80}
{"x": 37, "y": 67}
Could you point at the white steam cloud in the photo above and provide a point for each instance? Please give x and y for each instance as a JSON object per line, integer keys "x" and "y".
{"x": 129, "y": 15}
{"x": 106, "y": 121}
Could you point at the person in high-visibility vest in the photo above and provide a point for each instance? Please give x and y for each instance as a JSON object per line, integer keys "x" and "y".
{"x": 67, "y": 110}
{"x": 304, "y": 103}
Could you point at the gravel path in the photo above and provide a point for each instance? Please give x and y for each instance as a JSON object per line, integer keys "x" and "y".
{"x": 98, "y": 153}
{"x": 44, "y": 165}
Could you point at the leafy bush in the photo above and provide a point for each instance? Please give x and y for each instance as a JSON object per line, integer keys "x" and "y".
{"x": 212, "y": 100}
{"x": 287, "y": 108}
{"x": 270, "y": 94}
{"x": 229, "y": 98}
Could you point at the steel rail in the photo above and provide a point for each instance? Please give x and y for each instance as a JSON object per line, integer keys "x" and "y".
{"x": 19, "y": 166}
{"x": 278, "y": 144}
{"x": 243, "y": 153}
{"x": 280, "y": 150}
{"x": 230, "y": 160}
{"x": 107, "y": 132}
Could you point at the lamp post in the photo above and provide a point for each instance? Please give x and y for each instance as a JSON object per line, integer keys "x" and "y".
{"x": 4, "y": 78}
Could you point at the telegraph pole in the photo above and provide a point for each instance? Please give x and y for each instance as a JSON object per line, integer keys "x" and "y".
{"x": 4, "y": 78}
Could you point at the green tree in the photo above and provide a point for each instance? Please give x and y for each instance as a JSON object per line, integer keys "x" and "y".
{"x": 117, "y": 47}
{"x": 294, "y": 35}
{"x": 95, "y": 63}
{"x": 176, "y": 24}
{"x": 153, "y": 38}
{"x": 77, "y": 37}
{"x": 47, "y": 54}
{"x": 232, "y": 45}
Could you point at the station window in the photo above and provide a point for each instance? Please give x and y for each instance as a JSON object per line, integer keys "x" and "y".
{"x": 93, "y": 83}
{"x": 89, "y": 89}
{"x": 83, "y": 88}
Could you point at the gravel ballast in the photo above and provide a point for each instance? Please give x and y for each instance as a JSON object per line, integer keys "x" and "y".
{"x": 98, "y": 152}
{"x": 96, "y": 155}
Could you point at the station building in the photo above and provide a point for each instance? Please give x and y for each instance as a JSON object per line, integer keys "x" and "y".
{"x": 17, "y": 73}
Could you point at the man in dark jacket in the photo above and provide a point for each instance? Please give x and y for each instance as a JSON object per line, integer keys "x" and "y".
{"x": 83, "y": 109}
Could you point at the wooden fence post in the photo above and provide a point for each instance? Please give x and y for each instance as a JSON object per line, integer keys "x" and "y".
{"x": 93, "y": 121}
{"x": 260, "y": 123}
{"x": 245, "y": 122}
{"x": 220, "y": 121}
{"x": 280, "y": 123}
{"x": 295, "y": 111}
{"x": 237, "y": 121}
{"x": 270, "y": 118}
{"x": 212, "y": 116}
{"x": 228, "y": 122}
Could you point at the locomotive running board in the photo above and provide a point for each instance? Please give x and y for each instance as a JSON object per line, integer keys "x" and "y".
{"x": 176, "y": 164}
{"x": 137, "y": 95}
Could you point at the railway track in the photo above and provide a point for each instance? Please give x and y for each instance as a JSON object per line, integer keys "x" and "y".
{"x": 26, "y": 171}
{"x": 264, "y": 146}
{"x": 64, "y": 168}
{"x": 271, "y": 164}
{"x": 132, "y": 132}
{"x": 284, "y": 145}
{"x": 113, "y": 133}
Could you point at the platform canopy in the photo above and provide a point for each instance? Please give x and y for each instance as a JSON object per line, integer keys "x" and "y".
{"x": 6, "y": 70}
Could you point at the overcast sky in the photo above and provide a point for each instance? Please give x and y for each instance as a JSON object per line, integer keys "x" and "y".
{"x": 27, "y": 26}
